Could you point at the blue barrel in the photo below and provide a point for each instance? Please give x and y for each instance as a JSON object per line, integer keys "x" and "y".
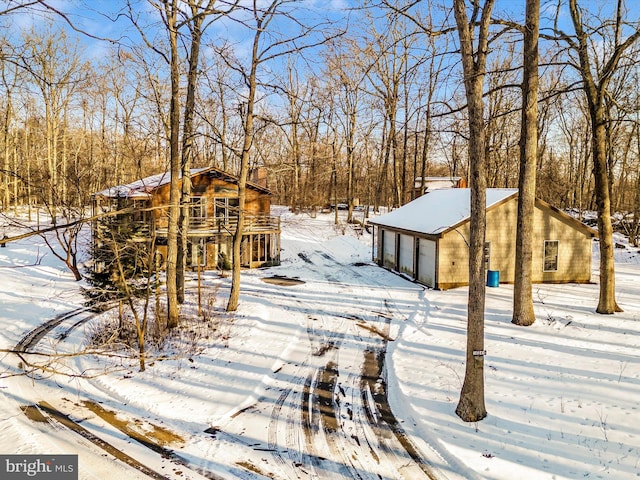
{"x": 493, "y": 278}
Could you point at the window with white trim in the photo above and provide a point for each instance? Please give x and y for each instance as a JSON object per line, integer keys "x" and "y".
{"x": 198, "y": 210}
{"x": 226, "y": 208}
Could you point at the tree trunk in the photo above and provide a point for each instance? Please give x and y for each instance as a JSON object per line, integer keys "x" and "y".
{"x": 187, "y": 149}
{"x": 607, "y": 299}
{"x": 595, "y": 94}
{"x": 351, "y": 134}
{"x": 471, "y": 406}
{"x": 234, "y": 295}
{"x": 174, "y": 189}
{"x": 523, "y": 313}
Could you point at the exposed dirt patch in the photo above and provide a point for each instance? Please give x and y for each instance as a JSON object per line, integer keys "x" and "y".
{"x": 252, "y": 468}
{"x": 305, "y": 258}
{"x": 153, "y": 436}
{"x": 373, "y": 329}
{"x": 283, "y": 281}
{"x": 33, "y": 413}
{"x": 325, "y": 387}
{"x": 374, "y": 380}
{"x": 43, "y": 412}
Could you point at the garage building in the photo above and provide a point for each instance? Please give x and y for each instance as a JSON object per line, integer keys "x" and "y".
{"x": 427, "y": 240}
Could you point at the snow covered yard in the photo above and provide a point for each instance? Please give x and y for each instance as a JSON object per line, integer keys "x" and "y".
{"x": 562, "y": 395}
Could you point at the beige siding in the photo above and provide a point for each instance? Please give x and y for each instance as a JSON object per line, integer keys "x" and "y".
{"x": 501, "y": 232}
{"x": 574, "y": 249}
{"x": 574, "y": 256}
{"x": 453, "y": 258}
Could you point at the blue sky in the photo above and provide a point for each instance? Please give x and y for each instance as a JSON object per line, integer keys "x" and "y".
{"x": 105, "y": 19}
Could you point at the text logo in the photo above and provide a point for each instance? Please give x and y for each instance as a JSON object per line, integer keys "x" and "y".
{"x": 38, "y": 467}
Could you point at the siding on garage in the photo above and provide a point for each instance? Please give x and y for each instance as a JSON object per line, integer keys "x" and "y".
{"x": 453, "y": 258}
{"x": 574, "y": 246}
{"x": 442, "y": 260}
{"x": 501, "y": 233}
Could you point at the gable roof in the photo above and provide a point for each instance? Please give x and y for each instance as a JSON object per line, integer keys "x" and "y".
{"x": 439, "y": 211}
{"x": 442, "y": 210}
{"x": 142, "y": 189}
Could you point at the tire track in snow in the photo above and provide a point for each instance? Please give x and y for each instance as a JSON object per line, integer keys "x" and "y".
{"x": 295, "y": 424}
{"x": 43, "y": 412}
{"x": 32, "y": 338}
{"x": 370, "y": 411}
{"x": 322, "y": 418}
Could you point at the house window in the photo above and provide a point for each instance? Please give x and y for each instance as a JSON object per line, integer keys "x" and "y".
{"x": 198, "y": 252}
{"x": 140, "y": 211}
{"x": 226, "y": 208}
{"x": 550, "y": 256}
{"x": 198, "y": 210}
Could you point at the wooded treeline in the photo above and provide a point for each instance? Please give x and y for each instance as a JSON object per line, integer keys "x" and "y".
{"x": 355, "y": 119}
{"x": 338, "y": 106}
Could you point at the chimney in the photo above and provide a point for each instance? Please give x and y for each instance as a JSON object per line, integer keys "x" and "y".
{"x": 258, "y": 175}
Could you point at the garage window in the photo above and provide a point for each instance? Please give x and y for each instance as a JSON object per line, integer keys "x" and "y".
{"x": 550, "y": 256}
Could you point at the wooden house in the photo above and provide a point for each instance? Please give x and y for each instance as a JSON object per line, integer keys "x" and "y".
{"x": 427, "y": 240}
{"x": 214, "y": 207}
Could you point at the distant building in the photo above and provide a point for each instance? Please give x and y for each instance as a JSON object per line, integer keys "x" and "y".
{"x": 427, "y": 240}
{"x": 214, "y": 207}
{"x": 436, "y": 183}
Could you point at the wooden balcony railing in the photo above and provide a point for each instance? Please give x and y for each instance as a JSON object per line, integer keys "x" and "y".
{"x": 209, "y": 226}
{"x": 140, "y": 230}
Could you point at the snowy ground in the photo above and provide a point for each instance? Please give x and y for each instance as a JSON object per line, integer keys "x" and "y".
{"x": 285, "y": 388}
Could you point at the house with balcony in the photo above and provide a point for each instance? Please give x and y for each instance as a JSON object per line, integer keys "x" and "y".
{"x": 138, "y": 213}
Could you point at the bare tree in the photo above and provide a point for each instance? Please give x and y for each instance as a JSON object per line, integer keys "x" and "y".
{"x": 389, "y": 58}
{"x": 502, "y": 120}
{"x": 347, "y": 79}
{"x": 523, "y": 313}
{"x": 200, "y": 10}
{"x": 170, "y": 17}
{"x": 260, "y": 22}
{"x": 56, "y": 71}
{"x": 9, "y": 175}
{"x": 174, "y": 18}
{"x": 471, "y": 406}
{"x": 597, "y": 67}
{"x": 63, "y": 240}
{"x": 141, "y": 320}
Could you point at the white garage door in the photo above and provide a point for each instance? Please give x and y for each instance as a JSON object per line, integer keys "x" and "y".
{"x": 427, "y": 262}
{"x": 389, "y": 249}
{"x": 406, "y": 254}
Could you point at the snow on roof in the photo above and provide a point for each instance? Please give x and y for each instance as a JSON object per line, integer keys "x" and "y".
{"x": 141, "y": 188}
{"x": 439, "y": 210}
